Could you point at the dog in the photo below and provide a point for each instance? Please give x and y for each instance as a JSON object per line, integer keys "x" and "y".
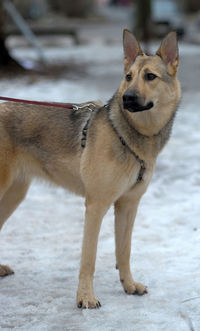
{"x": 106, "y": 153}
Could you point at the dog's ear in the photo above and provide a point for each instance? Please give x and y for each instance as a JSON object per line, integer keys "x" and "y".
{"x": 131, "y": 49}
{"x": 168, "y": 52}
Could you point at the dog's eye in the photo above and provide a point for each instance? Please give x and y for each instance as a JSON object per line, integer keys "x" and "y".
{"x": 128, "y": 77}
{"x": 150, "y": 76}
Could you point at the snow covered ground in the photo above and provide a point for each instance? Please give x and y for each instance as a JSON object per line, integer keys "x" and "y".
{"x": 42, "y": 239}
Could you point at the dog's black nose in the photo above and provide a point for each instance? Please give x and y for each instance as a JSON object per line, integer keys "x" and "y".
{"x": 130, "y": 97}
{"x": 132, "y": 102}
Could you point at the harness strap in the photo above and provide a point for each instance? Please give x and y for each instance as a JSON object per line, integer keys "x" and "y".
{"x": 84, "y": 133}
{"x": 142, "y": 163}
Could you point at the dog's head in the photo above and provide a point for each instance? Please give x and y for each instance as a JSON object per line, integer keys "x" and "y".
{"x": 150, "y": 83}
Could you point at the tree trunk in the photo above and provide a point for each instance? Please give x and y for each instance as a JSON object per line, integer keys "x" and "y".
{"x": 192, "y": 5}
{"x": 143, "y": 19}
{"x": 5, "y": 59}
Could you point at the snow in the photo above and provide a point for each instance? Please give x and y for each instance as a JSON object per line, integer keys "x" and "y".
{"x": 42, "y": 239}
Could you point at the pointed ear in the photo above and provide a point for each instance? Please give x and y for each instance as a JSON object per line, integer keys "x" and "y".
{"x": 168, "y": 52}
{"x": 131, "y": 49}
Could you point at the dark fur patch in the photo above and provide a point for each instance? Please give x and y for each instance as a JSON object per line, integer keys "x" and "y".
{"x": 39, "y": 133}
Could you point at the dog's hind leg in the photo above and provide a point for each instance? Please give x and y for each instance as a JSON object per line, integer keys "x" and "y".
{"x": 8, "y": 203}
{"x": 125, "y": 212}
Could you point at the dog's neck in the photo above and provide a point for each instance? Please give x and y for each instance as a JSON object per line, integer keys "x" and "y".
{"x": 146, "y": 146}
{"x": 150, "y": 123}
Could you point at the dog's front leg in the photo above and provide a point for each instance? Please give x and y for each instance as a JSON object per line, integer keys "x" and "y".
{"x": 125, "y": 212}
{"x": 85, "y": 295}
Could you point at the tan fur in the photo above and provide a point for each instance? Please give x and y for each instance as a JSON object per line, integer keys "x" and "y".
{"x": 46, "y": 143}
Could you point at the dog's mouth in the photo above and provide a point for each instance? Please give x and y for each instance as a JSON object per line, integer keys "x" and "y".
{"x": 134, "y": 107}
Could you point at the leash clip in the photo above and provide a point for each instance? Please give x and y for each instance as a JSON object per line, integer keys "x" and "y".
{"x": 75, "y": 107}
{"x": 90, "y": 106}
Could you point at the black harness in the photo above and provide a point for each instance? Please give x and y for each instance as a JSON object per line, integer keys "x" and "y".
{"x": 84, "y": 133}
{"x": 141, "y": 162}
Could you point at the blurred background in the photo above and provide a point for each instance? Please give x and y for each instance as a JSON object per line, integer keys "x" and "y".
{"x": 70, "y": 41}
{"x": 40, "y": 24}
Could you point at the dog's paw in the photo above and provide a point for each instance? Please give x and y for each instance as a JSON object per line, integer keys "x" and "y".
{"x": 88, "y": 302}
{"x": 135, "y": 288}
{"x": 5, "y": 270}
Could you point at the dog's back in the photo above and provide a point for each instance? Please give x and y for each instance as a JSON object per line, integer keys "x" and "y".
{"x": 41, "y": 141}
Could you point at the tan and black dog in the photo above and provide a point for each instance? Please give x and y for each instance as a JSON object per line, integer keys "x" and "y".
{"x": 107, "y": 155}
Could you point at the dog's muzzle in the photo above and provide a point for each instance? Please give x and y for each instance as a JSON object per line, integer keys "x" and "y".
{"x": 132, "y": 104}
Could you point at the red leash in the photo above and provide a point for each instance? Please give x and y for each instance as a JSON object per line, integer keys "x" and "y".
{"x": 41, "y": 103}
